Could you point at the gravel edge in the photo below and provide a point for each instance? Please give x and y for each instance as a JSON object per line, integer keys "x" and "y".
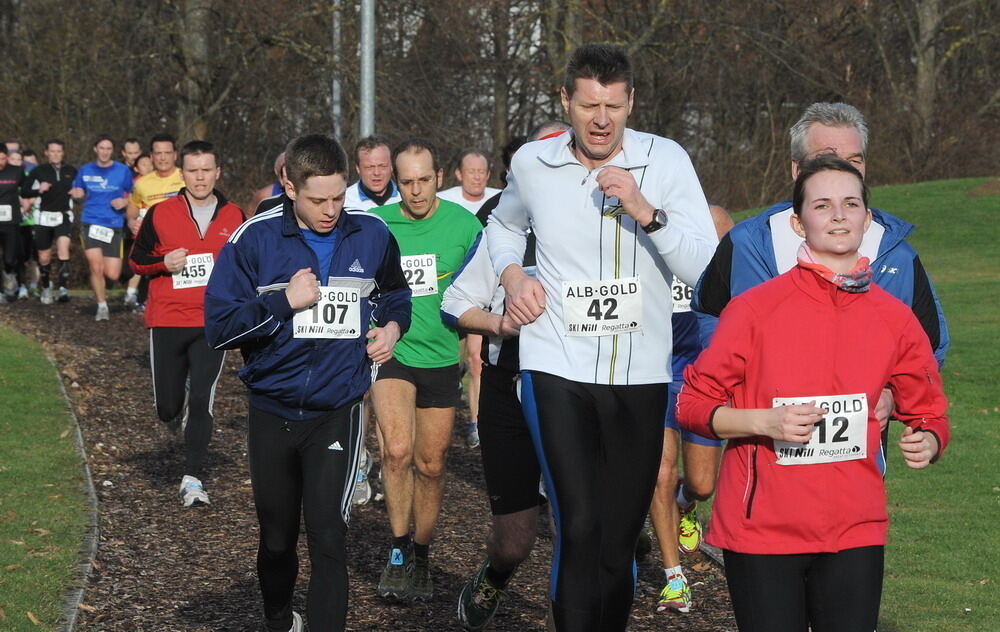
{"x": 88, "y": 550}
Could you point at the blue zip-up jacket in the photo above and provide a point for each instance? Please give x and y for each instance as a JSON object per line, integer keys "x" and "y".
{"x": 246, "y": 308}
{"x": 745, "y": 258}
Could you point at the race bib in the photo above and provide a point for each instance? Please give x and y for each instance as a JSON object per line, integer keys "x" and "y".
{"x": 681, "y": 293}
{"x": 420, "y": 272}
{"x": 101, "y": 233}
{"x": 602, "y": 308}
{"x": 840, "y": 436}
{"x": 337, "y": 314}
{"x": 6, "y": 213}
{"x": 50, "y": 218}
{"x": 196, "y": 270}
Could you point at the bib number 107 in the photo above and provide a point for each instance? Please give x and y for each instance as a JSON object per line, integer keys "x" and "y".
{"x": 329, "y": 313}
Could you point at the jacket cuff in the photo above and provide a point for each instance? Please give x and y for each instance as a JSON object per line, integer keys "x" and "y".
{"x": 277, "y": 304}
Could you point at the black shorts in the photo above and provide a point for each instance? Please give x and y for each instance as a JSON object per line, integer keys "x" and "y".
{"x": 108, "y": 249}
{"x": 436, "y": 388}
{"x": 509, "y": 462}
{"x": 46, "y": 236}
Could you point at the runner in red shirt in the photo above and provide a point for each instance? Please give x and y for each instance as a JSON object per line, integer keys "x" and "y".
{"x": 177, "y": 245}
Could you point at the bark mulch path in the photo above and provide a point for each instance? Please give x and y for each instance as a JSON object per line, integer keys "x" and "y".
{"x": 163, "y": 567}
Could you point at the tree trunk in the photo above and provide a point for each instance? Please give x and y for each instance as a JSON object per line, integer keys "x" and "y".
{"x": 501, "y": 69}
{"x": 194, "y": 51}
{"x": 927, "y": 63}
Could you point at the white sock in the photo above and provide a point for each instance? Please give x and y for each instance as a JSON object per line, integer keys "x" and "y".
{"x": 672, "y": 571}
{"x": 102, "y": 304}
{"x": 131, "y": 291}
{"x": 682, "y": 501}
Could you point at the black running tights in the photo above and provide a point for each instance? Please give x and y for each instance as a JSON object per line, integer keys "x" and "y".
{"x": 599, "y": 448}
{"x": 185, "y": 372}
{"x": 824, "y": 592}
{"x": 306, "y": 467}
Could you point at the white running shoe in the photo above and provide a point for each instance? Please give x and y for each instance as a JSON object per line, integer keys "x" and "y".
{"x": 46, "y": 296}
{"x": 296, "y": 622}
{"x": 362, "y": 488}
{"x": 192, "y": 493}
{"x": 22, "y": 293}
{"x": 102, "y": 312}
{"x": 131, "y": 300}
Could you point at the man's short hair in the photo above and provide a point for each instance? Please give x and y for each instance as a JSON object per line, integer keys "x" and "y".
{"x": 28, "y": 151}
{"x": 55, "y": 141}
{"x": 131, "y": 139}
{"x": 12, "y": 141}
{"x": 416, "y": 145}
{"x": 823, "y": 162}
{"x": 546, "y": 128}
{"x": 368, "y": 143}
{"x": 471, "y": 152}
{"x": 830, "y": 115}
{"x": 314, "y": 155}
{"x": 103, "y": 137}
{"x": 163, "y": 138}
{"x": 603, "y": 62}
{"x": 198, "y": 147}
{"x": 3, "y": 148}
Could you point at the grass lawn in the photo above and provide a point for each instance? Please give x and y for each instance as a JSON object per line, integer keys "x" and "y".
{"x": 944, "y": 551}
{"x": 42, "y": 506}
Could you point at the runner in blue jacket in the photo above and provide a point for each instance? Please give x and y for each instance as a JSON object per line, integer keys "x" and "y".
{"x": 311, "y": 295}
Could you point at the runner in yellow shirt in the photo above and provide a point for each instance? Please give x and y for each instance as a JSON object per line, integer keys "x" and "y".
{"x": 163, "y": 182}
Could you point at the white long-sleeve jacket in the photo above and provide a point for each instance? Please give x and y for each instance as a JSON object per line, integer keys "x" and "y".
{"x": 581, "y": 241}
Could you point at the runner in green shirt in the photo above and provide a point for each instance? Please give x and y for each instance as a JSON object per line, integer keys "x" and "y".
{"x": 416, "y": 392}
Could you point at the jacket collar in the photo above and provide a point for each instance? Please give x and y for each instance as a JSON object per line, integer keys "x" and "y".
{"x": 290, "y": 226}
{"x": 634, "y": 154}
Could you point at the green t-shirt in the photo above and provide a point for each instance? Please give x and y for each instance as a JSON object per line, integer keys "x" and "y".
{"x": 431, "y": 250}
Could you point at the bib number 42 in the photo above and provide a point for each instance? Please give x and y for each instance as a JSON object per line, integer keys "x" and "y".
{"x": 603, "y": 309}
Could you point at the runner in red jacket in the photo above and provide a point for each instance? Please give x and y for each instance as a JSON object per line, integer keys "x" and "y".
{"x": 176, "y": 247}
{"x": 791, "y": 379}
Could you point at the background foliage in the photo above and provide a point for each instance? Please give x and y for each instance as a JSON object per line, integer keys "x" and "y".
{"x": 724, "y": 79}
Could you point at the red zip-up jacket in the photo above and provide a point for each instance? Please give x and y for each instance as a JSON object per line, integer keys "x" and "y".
{"x": 169, "y": 225}
{"x": 798, "y": 335}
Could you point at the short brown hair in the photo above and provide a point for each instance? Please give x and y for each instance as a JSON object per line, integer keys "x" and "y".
{"x": 603, "y": 62}
{"x": 314, "y": 155}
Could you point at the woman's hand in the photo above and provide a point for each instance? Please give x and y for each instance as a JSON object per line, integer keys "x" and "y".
{"x": 790, "y": 423}
{"x": 918, "y": 447}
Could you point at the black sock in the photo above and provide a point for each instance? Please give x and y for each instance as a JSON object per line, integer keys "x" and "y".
{"x": 43, "y": 275}
{"x": 499, "y": 579}
{"x": 421, "y": 551}
{"x": 401, "y": 542}
{"x": 64, "y": 273}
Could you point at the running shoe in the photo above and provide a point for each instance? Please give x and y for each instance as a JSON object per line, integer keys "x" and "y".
{"x": 102, "y": 312}
{"x": 479, "y": 601}
{"x": 676, "y": 595}
{"x": 472, "y": 435}
{"x": 395, "y": 579}
{"x": 689, "y": 530}
{"x": 362, "y": 489}
{"x": 131, "y": 300}
{"x": 296, "y": 623}
{"x": 33, "y": 291}
{"x": 139, "y": 308}
{"x": 192, "y": 493}
{"x": 63, "y": 295}
{"x": 421, "y": 587}
{"x": 46, "y": 296}
{"x": 22, "y": 293}
{"x": 10, "y": 284}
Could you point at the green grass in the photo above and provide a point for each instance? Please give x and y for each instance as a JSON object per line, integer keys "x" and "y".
{"x": 942, "y": 556}
{"x": 42, "y": 507}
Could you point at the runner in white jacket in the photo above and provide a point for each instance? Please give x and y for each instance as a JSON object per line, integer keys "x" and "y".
{"x": 616, "y": 214}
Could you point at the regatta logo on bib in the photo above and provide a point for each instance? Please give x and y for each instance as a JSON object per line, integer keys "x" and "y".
{"x": 602, "y": 308}
{"x": 840, "y": 436}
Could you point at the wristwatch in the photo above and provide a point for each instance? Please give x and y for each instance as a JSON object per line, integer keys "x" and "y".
{"x": 659, "y": 221}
